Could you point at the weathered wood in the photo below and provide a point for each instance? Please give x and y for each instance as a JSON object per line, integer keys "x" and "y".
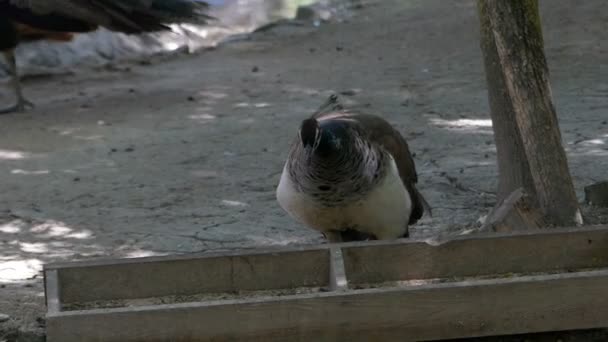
{"x": 478, "y": 255}
{"x": 515, "y": 212}
{"x": 51, "y": 291}
{"x": 338, "y": 280}
{"x": 184, "y": 275}
{"x": 428, "y": 312}
{"x": 528, "y": 140}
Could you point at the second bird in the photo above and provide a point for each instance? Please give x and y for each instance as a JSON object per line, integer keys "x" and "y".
{"x": 23, "y": 20}
{"x": 351, "y": 176}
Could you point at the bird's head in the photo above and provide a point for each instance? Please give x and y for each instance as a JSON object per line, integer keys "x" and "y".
{"x": 325, "y": 138}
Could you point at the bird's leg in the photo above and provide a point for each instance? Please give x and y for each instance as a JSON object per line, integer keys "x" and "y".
{"x": 22, "y": 102}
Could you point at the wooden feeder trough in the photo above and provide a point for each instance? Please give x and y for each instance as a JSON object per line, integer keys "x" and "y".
{"x": 495, "y": 284}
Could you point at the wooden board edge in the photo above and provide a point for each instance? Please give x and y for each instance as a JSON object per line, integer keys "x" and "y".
{"x": 304, "y": 248}
{"x": 62, "y": 324}
{"x": 337, "y": 278}
{"x": 51, "y": 291}
{"x": 185, "y": 256}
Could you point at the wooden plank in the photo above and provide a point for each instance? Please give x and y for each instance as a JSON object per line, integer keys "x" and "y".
{"x": 337, "y": 278}
{"x": 495, "y": 253}
{"x": 51, "y": 291}
{"x": 184, "y": 276}
{"x": 429, "y": 312}
{"x": 182, "y": 257}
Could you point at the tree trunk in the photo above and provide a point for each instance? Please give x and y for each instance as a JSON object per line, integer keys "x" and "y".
{"x": 526, "y": 130}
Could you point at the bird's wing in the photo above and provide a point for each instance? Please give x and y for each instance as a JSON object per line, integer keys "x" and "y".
{"x": 130, "y": 16}
{"x": 384, "y": 134}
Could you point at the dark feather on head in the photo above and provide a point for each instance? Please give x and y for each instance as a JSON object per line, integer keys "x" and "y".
{"x": 308, "y": 132}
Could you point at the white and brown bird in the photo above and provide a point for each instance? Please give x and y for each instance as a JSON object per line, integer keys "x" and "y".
{"x": 351, "y": 176}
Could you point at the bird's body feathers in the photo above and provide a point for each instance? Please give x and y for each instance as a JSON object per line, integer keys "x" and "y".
{"x": 383, "y": 212}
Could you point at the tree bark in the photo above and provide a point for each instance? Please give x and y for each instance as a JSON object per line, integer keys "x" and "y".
{"x": 526, "y": 130}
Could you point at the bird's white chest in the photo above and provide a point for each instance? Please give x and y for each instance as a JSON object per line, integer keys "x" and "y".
{"x": 384, "y": 211}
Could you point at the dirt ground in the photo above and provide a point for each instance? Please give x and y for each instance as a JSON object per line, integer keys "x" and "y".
{"x": 183, "y": 154}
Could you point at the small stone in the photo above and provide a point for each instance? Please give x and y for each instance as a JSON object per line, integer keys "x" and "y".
{"x": 41, "y": 321}
{"x": 4, "y": 317}
{"x": 129, "y": 149}
{"x": 349, "y": 92}
{"x": 305, "y": 13}
{"x": 255, "y": 69}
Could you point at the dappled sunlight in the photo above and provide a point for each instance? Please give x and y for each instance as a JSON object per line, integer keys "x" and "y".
{"x": 17, "y": 270}
{"x": 234, "y": 203}
{"x": 252, "y": 105}
{"x": 13, "y": 155}
{"x": 278, "y": 240}
{"x": 53, "y": 229}
{"x": 12, "y": 227}
{"x": 480, "y": 126}
{"x": 303, "y": 90}
{"x": 212, "y": 94}
{"x": 30, "y": 172}
{"x": 66, "y": 131}
{"x": 26, "y": 245}
{"x": 468, "y": 122}
{"x": 202, "y": 118}
{"x": 140, "y": 253}
{"x": 89, "y": 137}
{"x": 594, "y": 147}
{"x": 593, "y": 142}
{"x": 35, "y": 247}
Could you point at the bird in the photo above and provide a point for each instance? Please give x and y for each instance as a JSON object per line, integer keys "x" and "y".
{"x": 350, "y": 176}
{"x": 58, "y": 20}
